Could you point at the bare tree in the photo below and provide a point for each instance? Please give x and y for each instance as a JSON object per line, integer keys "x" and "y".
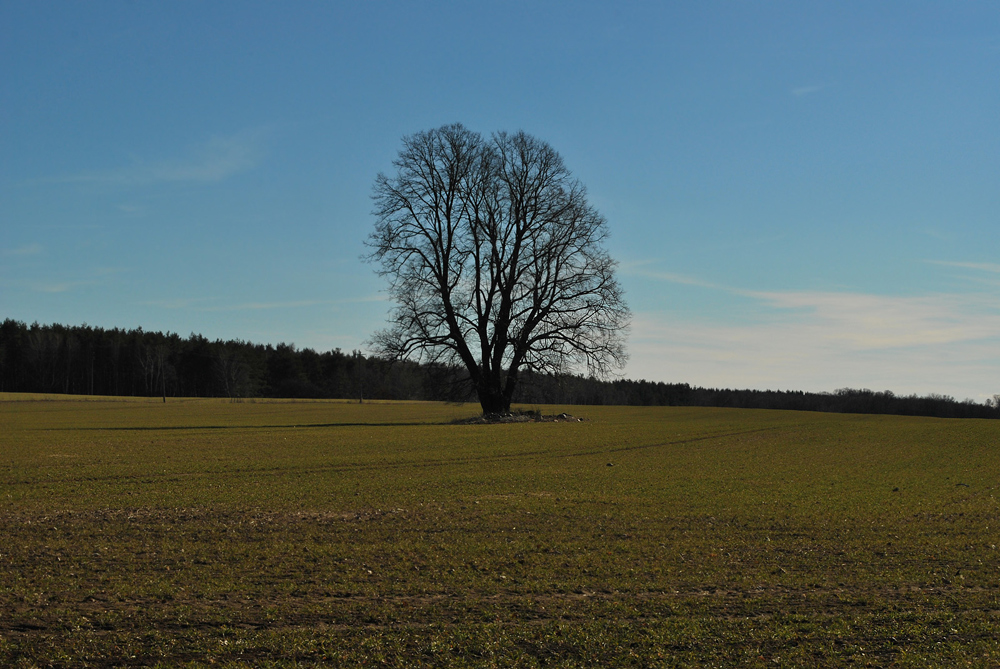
{"x": 495, "y": 260}
{"x": 233, "y": 373}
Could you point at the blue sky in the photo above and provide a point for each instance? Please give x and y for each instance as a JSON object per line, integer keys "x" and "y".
{"x": 800, "y": 195}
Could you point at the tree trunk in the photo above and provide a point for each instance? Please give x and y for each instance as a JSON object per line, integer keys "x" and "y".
{"x": 491, "y": 397}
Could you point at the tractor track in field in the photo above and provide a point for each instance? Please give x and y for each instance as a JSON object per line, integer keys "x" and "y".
{"x": 373, "y": 466}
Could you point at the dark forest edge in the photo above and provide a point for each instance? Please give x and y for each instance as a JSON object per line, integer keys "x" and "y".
{"x": 85, "y": 360}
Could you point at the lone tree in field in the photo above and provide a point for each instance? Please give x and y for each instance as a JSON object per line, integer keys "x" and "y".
{"x": 495, "y": 260}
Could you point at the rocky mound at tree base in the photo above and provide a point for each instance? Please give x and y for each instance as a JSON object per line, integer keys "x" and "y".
{"x": 518, "y": 417}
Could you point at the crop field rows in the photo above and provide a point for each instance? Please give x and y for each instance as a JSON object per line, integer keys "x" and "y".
{"x": 203, "y": 533}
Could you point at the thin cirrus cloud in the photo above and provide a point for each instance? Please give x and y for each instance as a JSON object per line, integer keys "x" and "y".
{"x": 866, "y": 322}
{"x": 824, "y": 339}
{"x": 198, "y": 304}
{"x": 215, "y": 160}
{"x": 869, "y": 321}
{"x": 94, "y": 276}
{"x": 258, "y": 306}
{"x": 671, "y": 277}
{"x": 29, "y": 250}
{"x": 57, "y": 286}
{"x": 982, "y": 273}
{"x": 806, "y": 90}
{"x": 803, "y": 355}
{"x": 981, "y": 266}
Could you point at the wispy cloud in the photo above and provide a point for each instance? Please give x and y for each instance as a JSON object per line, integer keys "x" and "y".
{"x": 57, "y": 286}
{"x": 95, "y": 276}
{"x": 199, "y": 304}
{"x": 980, "y": 273}
{"x": 680, "y": 278}
{"x": 258, "y": 306}
{"x": 636, "y": 268}
{"x": 868, "y": 322}
{"x": 822, "y": 340}
{"x": 29, "y": 250}
{"x": 809, "y": 354}
{"x": 365, "y": 299}
{"x": 981, "y": 266}
{"x": 806, "y": 90}
{"x": 295, "y": 304}
{"x": 177, "y": 303}
{"x": 214, "y": 160}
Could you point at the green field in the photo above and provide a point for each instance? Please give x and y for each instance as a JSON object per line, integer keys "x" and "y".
{"x": 206, "y": 533}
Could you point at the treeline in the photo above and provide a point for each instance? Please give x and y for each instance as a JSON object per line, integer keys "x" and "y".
{"x": 94, "y": 361}
{"x": 579, "y": 390}
{"x": 86, "y": 360}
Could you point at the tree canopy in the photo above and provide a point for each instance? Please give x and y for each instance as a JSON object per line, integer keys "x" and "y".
{"x": 496, "y": 262}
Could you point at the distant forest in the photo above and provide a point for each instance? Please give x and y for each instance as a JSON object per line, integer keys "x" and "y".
{"x": 84, "y": 360}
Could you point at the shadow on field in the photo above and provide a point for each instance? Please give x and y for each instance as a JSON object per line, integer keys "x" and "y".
{"x": 155, "y": 428}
